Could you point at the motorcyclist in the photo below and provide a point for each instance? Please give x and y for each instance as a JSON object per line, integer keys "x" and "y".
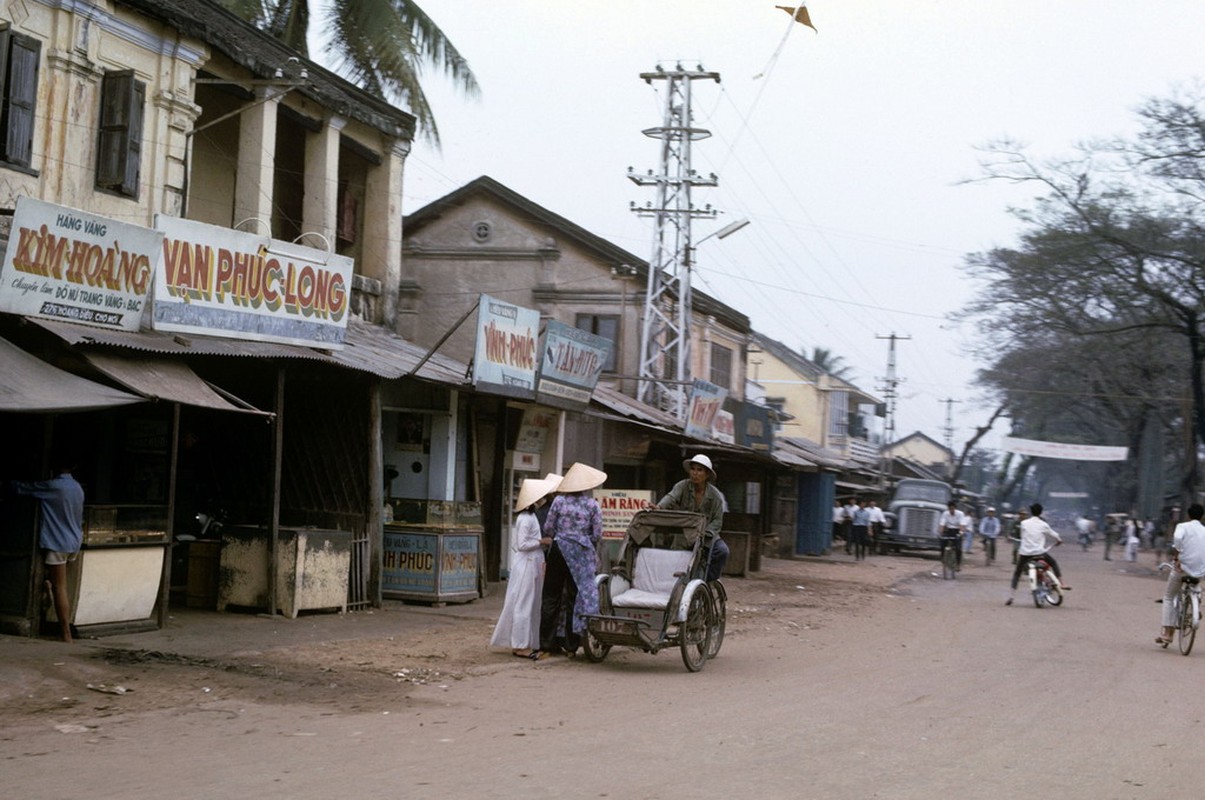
{"x": 1037, "y": 538}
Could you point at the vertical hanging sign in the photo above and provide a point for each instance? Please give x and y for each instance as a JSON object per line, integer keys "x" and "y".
{"x": 706, "y": 401}
{"x": 505, "y": 357}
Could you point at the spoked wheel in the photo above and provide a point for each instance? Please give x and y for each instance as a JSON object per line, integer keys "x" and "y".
{"x": 719, "y": 599}
{"x": 1054, "y": 595}
{"x": 949, "y": 570}
{"x": 694, "y": 634}
{"x": 1188, "y": 634}
{"x": 1039, "y": 596}
{"x": 595, "y": 650}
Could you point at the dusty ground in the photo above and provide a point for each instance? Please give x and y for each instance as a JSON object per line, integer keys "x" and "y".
{"x": 77, "y": 683}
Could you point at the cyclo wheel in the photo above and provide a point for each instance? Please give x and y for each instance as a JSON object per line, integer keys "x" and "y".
{"x": 719, "y": 598}
{"x": 1188, "y": 634}
{"x": 595, "y": 650}
{"x": 694, "y": 634}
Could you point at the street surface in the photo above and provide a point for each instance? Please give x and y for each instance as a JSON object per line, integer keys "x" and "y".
{"x": 837, "y": 680}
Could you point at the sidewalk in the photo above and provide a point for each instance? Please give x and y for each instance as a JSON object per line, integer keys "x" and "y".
{"x": 210, "y": 634}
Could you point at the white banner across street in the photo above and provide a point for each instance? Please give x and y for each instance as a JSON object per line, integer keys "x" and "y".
{"x": 1067, "y": 452}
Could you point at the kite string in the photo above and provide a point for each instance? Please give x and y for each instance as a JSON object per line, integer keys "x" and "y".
{"x": 781, "y": 44}
{"x": 748, "y": 115}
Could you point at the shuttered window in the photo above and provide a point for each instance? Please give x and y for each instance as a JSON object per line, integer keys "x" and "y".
{"x": 119, "y": 150}
{"x": 18, "y": 95}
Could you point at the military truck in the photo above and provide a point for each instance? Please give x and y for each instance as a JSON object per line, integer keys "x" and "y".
{"x": 912, "y": 516}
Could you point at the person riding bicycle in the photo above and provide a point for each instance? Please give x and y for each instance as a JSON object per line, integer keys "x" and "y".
{"x": 1188, "y": 558}
{"x": 950, "y": 526}
{"x": 989, "y": 529}
{"x": 1037, "y": 538}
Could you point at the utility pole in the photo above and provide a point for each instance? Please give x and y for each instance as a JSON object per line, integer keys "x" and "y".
{"x": 949, "y": 429}
{"x": 890, "y": 393}
{"x": 665, "y": 366}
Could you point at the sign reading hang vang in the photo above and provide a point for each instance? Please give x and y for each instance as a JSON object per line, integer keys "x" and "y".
{"x": 66, "y": 264}
{"x": 571, "y": 363}
{"x": 222, "y": 282}
{"x": 505, "y": 357}
{"x": 706, "y": 401}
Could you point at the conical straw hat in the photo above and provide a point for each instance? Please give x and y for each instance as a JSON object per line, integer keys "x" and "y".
{"x": 531, "y": 490}
{"x": 581, "y": 477}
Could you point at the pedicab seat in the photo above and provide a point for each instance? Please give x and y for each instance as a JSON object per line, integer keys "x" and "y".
{"x": 654, "y": 575}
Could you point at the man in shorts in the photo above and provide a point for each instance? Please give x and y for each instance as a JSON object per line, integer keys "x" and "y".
{"x": 60, "y": 532}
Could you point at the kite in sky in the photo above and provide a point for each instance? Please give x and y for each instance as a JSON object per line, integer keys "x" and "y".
{"x": 800, "y": 14}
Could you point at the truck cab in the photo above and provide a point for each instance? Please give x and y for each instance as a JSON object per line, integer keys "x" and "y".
{"x": 912, "y": 516}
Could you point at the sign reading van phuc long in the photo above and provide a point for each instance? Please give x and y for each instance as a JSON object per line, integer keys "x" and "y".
{"x": 571, "y": 362}
{"x": 505, "y": 357}
{"x": 222, "y": 282}
{"x": 70, "y": 265}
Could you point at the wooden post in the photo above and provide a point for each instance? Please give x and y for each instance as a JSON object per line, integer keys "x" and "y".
{"x": 173, "y": 460}
{"x": 374, "y": 520}
{"x": 277, "y": 458}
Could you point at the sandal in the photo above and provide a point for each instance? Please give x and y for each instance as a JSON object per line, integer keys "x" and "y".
{"x": 522, "y": 653}
{"x": 1162, "y": 641}
{"x": 540, "y": 655}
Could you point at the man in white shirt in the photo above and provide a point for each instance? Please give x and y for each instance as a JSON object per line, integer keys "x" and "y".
{"x": 1036, "y": 540}
{"x": 989, "y": 529}
{"x": 949, "y": 527}
{"x": 1188, "y": 558}
{"x": 877, "y": 521}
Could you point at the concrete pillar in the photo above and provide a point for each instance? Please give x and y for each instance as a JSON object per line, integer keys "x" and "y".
{"x": 320, "y": 208}
{"x": 381, "y": 256}
{"x": 256, "y": 163}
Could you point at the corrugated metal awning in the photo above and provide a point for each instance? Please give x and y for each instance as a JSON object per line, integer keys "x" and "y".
{"x": 31, "y": 385}
{"x": 158, "y": 378}
{"x": 630, "y": 407}
{"x": 367, "y": 348}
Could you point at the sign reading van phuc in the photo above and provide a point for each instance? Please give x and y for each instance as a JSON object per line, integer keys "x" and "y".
{"x": 66, "y": 264}
{"x": 222, "y": 282}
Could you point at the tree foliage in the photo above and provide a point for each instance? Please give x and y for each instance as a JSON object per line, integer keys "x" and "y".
{"x": 383, "y": 46}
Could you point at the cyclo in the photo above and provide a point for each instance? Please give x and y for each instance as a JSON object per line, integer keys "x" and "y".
{"x": 656, "y": 595}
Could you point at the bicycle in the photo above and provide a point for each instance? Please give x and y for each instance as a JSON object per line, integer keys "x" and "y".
{"x": 989, "y": 550}
{"x": 1187, "y": 610}
{"x": 949, "y": 557}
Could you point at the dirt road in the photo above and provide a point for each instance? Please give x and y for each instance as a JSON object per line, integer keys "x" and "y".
{"x": 836, "y": 680}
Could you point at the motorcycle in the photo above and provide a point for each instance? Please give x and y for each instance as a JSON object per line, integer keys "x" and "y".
{"x": 1042, "y": 583}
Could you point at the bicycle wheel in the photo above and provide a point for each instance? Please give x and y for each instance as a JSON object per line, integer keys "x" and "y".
{"x": 1054, "y": 595}
{"x": 694, "y": 634}
{"x": 719, "y": 618}
{"x": 1188, "y": 633}
{"x": 948, "y": 563}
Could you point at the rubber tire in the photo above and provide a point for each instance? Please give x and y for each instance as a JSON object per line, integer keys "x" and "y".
{"x": 1187, "y": 634}
{"x": 1054, "y": 595}
{"x": 1039, "y": 597}
{"x": 694, "y": 634}
{"x": 595, "y": 650}
{"x": 719, "y": 603}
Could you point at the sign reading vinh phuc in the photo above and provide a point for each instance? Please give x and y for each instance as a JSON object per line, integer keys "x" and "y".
{"x": 66, "y": 264}
{"x": 222, "y": 282}
{"x": 505, "y": 357}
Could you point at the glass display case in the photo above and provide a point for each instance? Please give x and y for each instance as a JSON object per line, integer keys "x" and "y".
{"x": 124, "y": 524}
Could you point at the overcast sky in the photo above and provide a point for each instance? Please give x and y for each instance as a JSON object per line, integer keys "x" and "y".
{"x": 848, "y": 154}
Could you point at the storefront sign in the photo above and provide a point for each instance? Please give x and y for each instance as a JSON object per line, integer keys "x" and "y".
{"x": 534, "y": 430}
{"x": 408, "y": 562}
{"x": 754, "y": 428}
{"x": 724, "y": 427}
{"x": 458, "y": 563}
{"x": 505, "y": 357}
{"x": 223, "y": 282}
{"x": 618, "y": 508}
{"x": 70, "y": 265}
{"x": 706, "y": 400}
{"x": 571, "y": 362}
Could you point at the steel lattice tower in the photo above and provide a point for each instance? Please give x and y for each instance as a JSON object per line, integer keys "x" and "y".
{"x": 665, "y": 336}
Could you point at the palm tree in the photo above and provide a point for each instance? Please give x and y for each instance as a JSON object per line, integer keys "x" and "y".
{"x": 829, "y": 362}
{"x": 380, "y": 45}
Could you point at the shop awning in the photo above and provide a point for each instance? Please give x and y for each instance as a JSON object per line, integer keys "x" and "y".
{"x": 31, "y": 385}
{"x": 163, "y": 379}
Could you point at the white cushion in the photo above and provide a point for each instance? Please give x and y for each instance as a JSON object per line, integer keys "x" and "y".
{"x": 653, "y": 578}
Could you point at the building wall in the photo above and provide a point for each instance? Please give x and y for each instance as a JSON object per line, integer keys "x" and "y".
{"x": 922, "y": 451}
{"x": 802, "y": 399}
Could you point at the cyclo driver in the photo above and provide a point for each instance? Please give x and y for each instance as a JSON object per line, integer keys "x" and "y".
{"x": 951, "y": 525}
{"x": 1037, "y": 538}
{"x": 1188, "y": 559}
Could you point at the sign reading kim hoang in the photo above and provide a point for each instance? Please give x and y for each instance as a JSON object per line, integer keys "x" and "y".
{"x": 70, "y": 265}
{"x": 222, "y": 282}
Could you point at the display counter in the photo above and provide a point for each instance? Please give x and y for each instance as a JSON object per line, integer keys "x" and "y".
{"x": 431, "y": 564}
{"x": 117, "y": 576}
{"x": 312, "y": 569}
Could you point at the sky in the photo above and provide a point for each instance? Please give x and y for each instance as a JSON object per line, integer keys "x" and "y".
{"x": 852, "y": 150}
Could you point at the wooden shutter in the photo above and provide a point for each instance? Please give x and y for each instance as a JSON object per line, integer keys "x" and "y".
{"x": 119, "y": 147}
{"x": 20, "y": 98}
